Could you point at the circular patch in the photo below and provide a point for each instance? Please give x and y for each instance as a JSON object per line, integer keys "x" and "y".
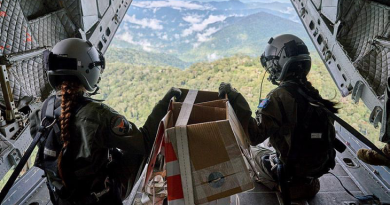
{"x": 119, "y": 125}
{"x": 216, "y": 179}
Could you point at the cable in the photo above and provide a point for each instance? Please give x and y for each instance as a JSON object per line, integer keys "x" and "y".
{"x": 343, "y": 185}
{"x": 261, "y": 84}
{"x": 365, "y": 198}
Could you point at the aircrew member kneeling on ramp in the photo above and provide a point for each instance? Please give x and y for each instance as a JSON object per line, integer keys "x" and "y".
{"x": 301, "y": 133}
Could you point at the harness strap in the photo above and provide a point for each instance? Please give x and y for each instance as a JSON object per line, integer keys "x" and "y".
{"x": 49, "y": 112}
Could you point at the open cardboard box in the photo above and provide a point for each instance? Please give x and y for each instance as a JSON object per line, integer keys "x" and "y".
{"x": 213, "y": 137}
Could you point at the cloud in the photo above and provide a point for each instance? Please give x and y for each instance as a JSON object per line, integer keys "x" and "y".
{"x": 145, "y": 44}
{"x": 164, "y": 37}
{"x": 212, "y": 57}
{"x": 178, "y": 5}
{"x": 154, "y": 24}
{"x": 197, "y": 27}
{"x": 203, "y": 37}
{"x": 288, "y": 10}
{"x": 193, "y": 19}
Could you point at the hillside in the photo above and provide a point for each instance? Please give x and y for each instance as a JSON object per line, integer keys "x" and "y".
{"x": 249, "y": 36}
{"x": 142, "y": 58}
{"x": 133, "y": 90}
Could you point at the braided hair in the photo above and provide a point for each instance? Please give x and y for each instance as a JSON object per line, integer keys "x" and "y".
{"x": 297, "y": 75}
{"x": 314, "y": 93}
{"x": 70, "y": 92}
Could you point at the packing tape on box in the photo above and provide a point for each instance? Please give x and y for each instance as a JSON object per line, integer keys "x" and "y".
{"x": 225, "y": 176}
{"x": 232, "y": 148}
{"x": 212, "y": 181}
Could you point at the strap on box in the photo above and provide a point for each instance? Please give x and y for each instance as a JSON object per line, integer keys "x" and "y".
{"x": 182, "y": 146}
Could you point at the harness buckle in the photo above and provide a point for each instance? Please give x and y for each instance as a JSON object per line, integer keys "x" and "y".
{"x": 100, "y": 194}
{"x": 48, "y": 126}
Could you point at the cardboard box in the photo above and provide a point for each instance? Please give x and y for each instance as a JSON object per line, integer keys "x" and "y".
{"x": 207, "y": 139}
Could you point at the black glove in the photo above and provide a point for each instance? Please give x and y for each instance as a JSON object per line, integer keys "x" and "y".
{"x": 226, "y": 89}
{"x": 173, "y": 92}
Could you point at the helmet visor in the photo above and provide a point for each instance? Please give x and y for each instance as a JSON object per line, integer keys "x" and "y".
{"x": 57, "y": 62}
{"x": 271, "y": 50}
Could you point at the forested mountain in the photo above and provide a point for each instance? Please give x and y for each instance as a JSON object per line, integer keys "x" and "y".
{"x": 194, "y": 31}
{"x": 143, "y": 58}
{"x": 133, "y": 90}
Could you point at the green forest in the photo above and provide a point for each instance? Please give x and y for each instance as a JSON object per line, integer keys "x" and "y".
{"x": 133, "y": 90}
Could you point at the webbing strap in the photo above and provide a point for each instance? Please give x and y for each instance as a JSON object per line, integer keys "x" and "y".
{"x": 182, "y": 146}
{"x": 348, "y": 127}
{"x": 49, "y": 112}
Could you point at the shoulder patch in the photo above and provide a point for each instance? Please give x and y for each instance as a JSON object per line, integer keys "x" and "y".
{"x": 263, "y": 103}
{"x": 119, "y": 125}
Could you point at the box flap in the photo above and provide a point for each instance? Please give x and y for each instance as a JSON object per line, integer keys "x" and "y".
{"x": 203, "y": 96}
{"x": 215, "y": 103}
{"x": 200, "y": 114}
{"x": 239, "y": 132}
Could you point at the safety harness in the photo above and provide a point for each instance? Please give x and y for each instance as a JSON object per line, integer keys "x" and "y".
{"x": 49, "y": 125}
{"x": 51, "y": 144}
{"x": 45, "y": 126}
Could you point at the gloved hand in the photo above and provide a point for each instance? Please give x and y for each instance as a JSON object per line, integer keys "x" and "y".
{"x": 173, "y": 92}
{"x": 226, "y": 89}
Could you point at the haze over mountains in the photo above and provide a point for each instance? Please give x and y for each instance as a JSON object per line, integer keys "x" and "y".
{"x": 194, "y": 31}
{"x": 158, "y": 37}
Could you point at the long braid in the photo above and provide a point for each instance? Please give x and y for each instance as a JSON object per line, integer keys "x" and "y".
{"x": 70, "y": 92}
{"x": 314, "y": 93}
{"x": 298, "y": 72}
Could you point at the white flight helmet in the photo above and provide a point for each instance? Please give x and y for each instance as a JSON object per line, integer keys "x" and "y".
{"x": 283, "y": 51}
{"x": 74, "y": 59}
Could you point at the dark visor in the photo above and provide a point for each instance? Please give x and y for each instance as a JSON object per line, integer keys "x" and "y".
{"x": 57, "y": 62}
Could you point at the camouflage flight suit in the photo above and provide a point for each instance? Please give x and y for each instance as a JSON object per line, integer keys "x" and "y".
{"x": 269, "y": 123}
{"x": 94, "y": 129}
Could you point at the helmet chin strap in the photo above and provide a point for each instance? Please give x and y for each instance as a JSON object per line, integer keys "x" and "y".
{"x": 95, "y": 92}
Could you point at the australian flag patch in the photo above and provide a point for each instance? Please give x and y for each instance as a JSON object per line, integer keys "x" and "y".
{"x": 263, "y": 103}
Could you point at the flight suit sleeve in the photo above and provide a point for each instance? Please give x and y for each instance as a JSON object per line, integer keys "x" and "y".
{"x": 119, "y": 132}
{"x": 276, "y": 113}
{"x": 125, "y": 135}
{"x": 267, "y": 121}
{"x": 257, "y": 129}
{"x": 149, "y": 129}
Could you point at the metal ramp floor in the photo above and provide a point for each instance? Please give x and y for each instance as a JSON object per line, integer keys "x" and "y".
{"x": 31, "y": 188}
{"x": 331, "y": 193}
